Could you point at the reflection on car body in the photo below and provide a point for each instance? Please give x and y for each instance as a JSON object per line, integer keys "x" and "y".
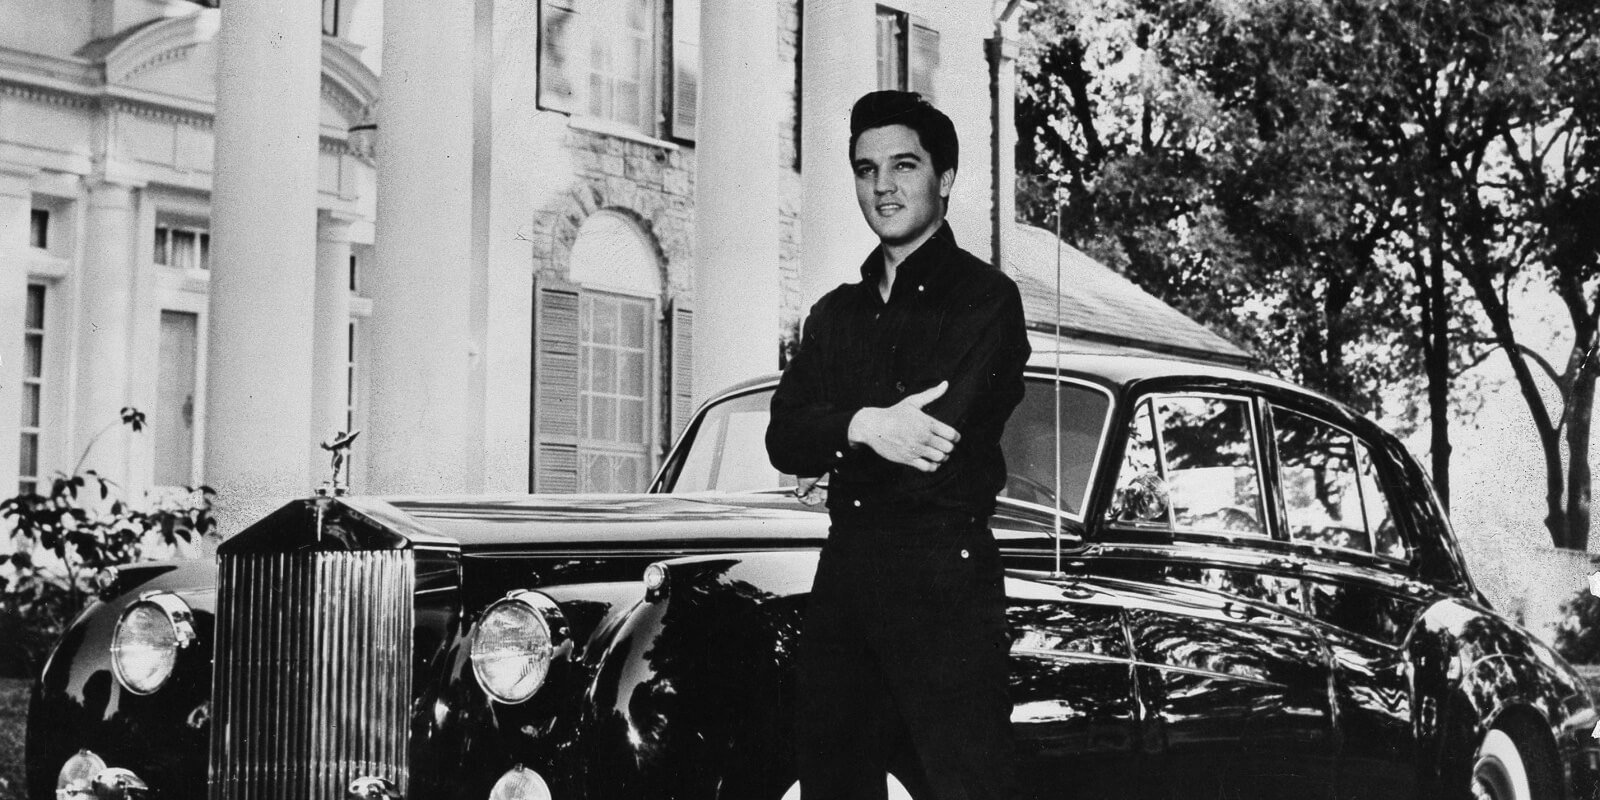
{"x": 1253, "y": 593}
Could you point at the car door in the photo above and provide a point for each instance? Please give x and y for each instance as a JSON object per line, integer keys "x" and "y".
{"x": 1359, "y": 592}
{"x": 1234, "y": 682}
{"x": 1074, "y": 711}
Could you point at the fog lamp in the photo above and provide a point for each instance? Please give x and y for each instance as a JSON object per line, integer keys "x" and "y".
{"x": 76, "y": 778}
{"x": 514, "y": 644}
{"x": 520, "y": 783}
{"x": 149, "y": 635}
{"x": 116, "y": 783}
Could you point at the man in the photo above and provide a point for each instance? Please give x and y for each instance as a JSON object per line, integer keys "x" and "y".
{"x": 899, "y": 392}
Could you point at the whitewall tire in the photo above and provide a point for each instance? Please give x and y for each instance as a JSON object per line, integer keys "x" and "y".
{"x": 1498, "y": 771}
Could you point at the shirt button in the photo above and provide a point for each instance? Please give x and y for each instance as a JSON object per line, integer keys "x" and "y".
{"x": 838, "y": 454}
{"x": 856, "y": 503}
{"x": 920, "y": 287}
{"x": 964, "y": 554}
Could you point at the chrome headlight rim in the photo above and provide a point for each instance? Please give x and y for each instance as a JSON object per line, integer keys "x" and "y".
{"x": 179, "y": 618}
{"x": 547, "y": 634}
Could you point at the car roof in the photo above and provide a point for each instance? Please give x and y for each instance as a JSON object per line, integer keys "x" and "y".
{"x": 1121, "y": 370}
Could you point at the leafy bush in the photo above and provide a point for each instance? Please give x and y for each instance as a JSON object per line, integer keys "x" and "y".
{"x": 68, "y": 543}
{"x": 1578, "y": 633}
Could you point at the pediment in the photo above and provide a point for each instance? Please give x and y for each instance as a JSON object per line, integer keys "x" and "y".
{"x": 176, "y": 58}
{"x": 173, "y": 57}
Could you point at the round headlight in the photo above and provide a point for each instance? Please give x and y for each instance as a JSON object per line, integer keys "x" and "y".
{"x": 520, "y": 783}
{"x": 514, "y": 644}
{"x": 145, "y": 647}
{"x": 77, "y": 774}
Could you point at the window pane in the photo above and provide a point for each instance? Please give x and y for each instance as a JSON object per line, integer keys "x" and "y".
{"x": 603, "y": 422}
{"x": 34, "y": 315}
{"x": 1320, "y": 493}
{"x": 631, "y": 426}
{"x": 39, "y": 228}
{"x": 1385, "y": 534}
{"x": 205, "y": 251}
{"x": 160, "y": 254}
{"x": 1211, "y": 467}
{"x": 891, "y": 50}
{"x": 28, "y": 465}
{"x": 605, "y": 322}
{"x": 183, "y": 249}
{"x": 605, "y": 371}
{"x": 1029, "y": 444}
{"x": 1140, "y": 467}
{"x": 33, "y": 356}
{"x": 30, "y": 405}
{"x": 632, "y": 374}
{"x": 633, "y": 324}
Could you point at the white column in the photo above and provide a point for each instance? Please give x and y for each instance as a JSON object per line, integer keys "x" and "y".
{"x": 264, "y": 255}
{"x": 15, "y": 202}
{"x": 515, "y": 180}
{"x": 330, "y": 333}
{"x": 736, "y": 197}
{"x": 105, "y": 329}
{"x": 418, "y": 426}
{"x": 1003, "y": 65}
{"x": 839, "y": 52}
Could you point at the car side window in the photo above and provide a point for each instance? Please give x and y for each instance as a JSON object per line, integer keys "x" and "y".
{"x": 1386, "y": 538}
{"x": 1331, "y": 496}
{"x": 1199, "y": 451}
{"x": 1322, "y": 495}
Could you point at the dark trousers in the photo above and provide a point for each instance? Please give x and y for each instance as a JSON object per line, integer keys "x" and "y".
{"x": 903, "y": 666}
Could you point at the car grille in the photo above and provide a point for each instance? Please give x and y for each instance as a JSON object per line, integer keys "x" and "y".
{"x": 312, "y": 674}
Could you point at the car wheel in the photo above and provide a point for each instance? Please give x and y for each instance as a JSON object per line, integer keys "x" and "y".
{"x": 896, "y": 791}
{"x": 1498, "y": 771}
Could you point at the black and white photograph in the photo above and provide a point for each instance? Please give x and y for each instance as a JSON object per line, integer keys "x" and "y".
{"x": 799, "y": 399}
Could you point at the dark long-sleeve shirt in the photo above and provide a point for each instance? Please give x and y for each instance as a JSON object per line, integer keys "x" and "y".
{"x": 949, "y": 317}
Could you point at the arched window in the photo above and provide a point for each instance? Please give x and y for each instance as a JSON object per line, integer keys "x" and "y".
{"x": 598, "y": 387}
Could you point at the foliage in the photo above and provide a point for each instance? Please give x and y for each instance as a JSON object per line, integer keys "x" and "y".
{"x": 68, "y": 543}
{"x": 13, "y": 714}
{"x": 1351, "y": 189}
{"x": 1578, "y": 632}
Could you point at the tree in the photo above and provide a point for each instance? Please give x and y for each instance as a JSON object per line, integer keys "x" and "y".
{"x": 1317, "y": 178}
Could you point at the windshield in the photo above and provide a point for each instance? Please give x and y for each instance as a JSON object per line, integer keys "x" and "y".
{"x": 726, "y": 451}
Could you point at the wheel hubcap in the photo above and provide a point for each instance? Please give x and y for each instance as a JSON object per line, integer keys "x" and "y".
{"x": 1490, "y": 780}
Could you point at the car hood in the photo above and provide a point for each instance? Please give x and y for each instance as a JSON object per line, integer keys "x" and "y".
{"x": 680, "y": 523}
{"x": 609, "y": 520}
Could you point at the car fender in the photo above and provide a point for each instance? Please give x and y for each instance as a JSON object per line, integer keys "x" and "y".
{"x": 693, "y": 695}
{"x": 1490, "y": 673}
{"x": 79, "y": 703}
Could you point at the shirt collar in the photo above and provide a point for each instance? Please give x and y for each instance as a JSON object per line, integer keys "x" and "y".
{"x": 928, "y": 266}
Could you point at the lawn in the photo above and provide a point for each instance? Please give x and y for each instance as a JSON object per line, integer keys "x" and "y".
{"x": 13, "y": 715}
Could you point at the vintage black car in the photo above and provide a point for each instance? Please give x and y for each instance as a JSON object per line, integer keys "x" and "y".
{"x": 1221, "y": 586}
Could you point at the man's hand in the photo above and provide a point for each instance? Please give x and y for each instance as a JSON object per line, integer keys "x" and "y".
{"x": 808, "y": 492}
{"x": 902, "y": 433}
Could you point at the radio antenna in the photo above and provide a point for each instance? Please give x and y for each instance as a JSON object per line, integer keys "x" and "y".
{"x": 1056, "y": 385}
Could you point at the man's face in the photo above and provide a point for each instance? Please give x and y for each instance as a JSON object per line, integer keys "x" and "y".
{"x": 900, "y": 193}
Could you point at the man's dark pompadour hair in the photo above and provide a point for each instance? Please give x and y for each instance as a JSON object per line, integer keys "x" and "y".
{"x": 935, "y": 130}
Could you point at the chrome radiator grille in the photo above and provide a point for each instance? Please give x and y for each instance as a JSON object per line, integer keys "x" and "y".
{"x": 312, "y": 674}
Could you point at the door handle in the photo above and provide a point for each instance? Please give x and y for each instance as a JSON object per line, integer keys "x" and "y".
{"x": 1286, "y": 564}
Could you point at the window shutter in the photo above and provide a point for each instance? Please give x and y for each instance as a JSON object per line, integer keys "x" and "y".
{"x": 681, "y": 390}
{"x": 685, "y": 67}
{"x": 555, "y": 388}
{"x": 560, "y": 56}
{"x": 924, "y": 57}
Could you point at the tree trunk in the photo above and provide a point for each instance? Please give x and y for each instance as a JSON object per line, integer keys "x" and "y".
{"x": 1581, "y": 406}
{"x": 1436, "y": 355}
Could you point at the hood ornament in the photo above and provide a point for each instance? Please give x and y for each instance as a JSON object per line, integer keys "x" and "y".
{"x": 339, "y": 446}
